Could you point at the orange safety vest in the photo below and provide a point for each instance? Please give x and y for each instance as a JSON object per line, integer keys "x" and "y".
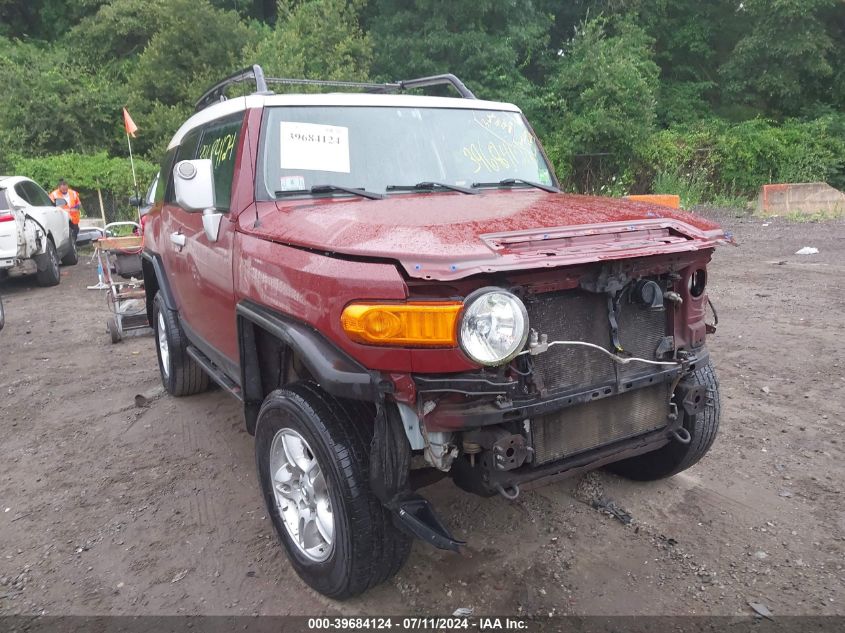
{"x": 72, "y": 207}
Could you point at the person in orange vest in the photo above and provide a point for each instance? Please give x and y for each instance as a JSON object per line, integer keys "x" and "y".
{"x": 71, "y": 204}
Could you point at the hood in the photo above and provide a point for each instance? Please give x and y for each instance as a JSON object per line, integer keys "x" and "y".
{"x": 447, "y": 236}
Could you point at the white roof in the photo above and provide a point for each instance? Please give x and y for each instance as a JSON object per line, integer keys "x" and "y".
{"x": 9, "y": 181}
{"x": 352, "y": 99}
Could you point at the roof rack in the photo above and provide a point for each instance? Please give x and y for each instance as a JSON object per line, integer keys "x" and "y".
{"x": 217, "y": 92}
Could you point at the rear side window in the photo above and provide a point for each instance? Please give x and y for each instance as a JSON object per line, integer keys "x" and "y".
{"x": 37, "y": 196}
{"x": 220, "y": 144}
{"x": 22, "y": 192}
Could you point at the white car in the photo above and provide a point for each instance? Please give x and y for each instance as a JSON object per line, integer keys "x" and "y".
{"x": 35, "y": 235}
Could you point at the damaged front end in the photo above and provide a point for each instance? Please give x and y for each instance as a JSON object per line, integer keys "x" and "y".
{"x": 604, "y": 375}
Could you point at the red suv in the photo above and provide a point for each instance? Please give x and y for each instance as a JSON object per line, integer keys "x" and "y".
{"x": 397, "y": 291}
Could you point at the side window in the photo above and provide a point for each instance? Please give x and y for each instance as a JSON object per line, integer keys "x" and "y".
{"x": 4, "y": 201}
{"x": 220, "y": 143}
{"x": 37, "y": 195}
{"x": 22, "y": 192}
{"x": 187, "y": 150}
{"x": 151, "y": 196}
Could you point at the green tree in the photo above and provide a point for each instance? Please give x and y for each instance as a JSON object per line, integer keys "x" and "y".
{"x": 604, "y": 95}
{"x": 195, "y": 46}
{"x": 491, "y": 44}
{"x": 317, "y": 39}
{"x": 785, "y": 62}
{"x": 50, "y": 104}
{"x": 117, "y": 33}
{"x": 43, "y": 19}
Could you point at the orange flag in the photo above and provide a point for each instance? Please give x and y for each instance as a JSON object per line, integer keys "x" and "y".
{"x": 129, "y": 124}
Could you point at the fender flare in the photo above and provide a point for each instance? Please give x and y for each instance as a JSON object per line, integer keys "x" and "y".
{"x": 154, "y": 261}
{"x": 333, "y": 369}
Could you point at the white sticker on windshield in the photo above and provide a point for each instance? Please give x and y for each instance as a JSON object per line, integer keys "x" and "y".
{"x": 316, "y": 147}
{"x": 292, "y": 183}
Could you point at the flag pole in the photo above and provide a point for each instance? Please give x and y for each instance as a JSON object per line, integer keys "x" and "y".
{"x": 134, "y": 179}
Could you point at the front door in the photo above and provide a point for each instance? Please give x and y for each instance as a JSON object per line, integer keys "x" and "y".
{"x": 199, "y": 270}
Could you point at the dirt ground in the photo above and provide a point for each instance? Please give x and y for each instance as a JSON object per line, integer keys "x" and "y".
{"x": 107, "y": 508}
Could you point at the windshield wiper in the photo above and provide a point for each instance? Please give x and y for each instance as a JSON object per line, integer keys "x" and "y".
{"x": 510, "y": 182}
{"x": 331, "y": 189}
{"x": 430, "y": 186}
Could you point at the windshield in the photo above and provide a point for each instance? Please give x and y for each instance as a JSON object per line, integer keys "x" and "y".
{"x": 375, "y": 148}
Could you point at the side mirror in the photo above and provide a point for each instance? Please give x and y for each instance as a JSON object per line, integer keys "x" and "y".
{"x": 59, "y": 202}
{"x": 194, "y": 184}
{"x": 135, "y": 201}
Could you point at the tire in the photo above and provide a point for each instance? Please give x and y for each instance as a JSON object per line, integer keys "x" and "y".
{"x": 181, "y": 375}
{"x": 71, "y": 258}
{"x": 676, "y": 457}
{"x": 114, "y": 331}
{"x": 366, "y": 547}
{"x": 48, "y": 266}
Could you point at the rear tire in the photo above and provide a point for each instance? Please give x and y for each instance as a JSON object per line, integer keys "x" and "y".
{"x": 676, "y": 457}
{"x": 48, "y": 266}
{"x": 71, "y": 258}
{"x": 366, "y": 548}
{"x": 181, "y": 375}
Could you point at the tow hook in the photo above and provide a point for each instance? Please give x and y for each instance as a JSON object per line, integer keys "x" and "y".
{"x": 510, "y": 494}
{"x": 682, "y": 435}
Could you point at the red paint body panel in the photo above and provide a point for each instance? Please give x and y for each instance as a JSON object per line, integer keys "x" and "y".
{"x": 314, "y": 289}
{"x": 200, "y": 276}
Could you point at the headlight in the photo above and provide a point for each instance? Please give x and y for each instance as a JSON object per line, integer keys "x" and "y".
{"x": 494, "y": 326}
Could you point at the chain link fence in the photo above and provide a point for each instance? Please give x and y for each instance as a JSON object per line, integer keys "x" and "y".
{"x": 116, "y": 208}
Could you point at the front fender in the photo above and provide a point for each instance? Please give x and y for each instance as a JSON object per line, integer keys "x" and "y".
{"x": 334, "y": 370}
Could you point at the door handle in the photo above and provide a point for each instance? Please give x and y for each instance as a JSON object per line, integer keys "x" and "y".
{"x": 178, "y": 239}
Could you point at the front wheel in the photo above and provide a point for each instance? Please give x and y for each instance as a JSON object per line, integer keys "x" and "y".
{"x": 48, "y": 266}
{"x": 676, "y": 457}
{"x": 312, "y": 455}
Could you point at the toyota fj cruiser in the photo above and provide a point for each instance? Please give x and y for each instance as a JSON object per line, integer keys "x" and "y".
{"x": 396, "y": 290}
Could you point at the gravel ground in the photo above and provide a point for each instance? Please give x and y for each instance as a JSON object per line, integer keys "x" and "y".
{"x": 108, "y": 508}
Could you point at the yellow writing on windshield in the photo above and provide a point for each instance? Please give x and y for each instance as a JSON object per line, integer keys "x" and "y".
{"x": 511, "y": 144}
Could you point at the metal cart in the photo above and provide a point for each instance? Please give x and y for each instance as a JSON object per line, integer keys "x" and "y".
{"x": 119, "y": 271}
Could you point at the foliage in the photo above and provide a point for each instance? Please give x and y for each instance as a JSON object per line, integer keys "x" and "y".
{"x": 86, "y": 172}
{"x": 736, "y": 159}
{"x": 757, "y": 152}
{"x": 119, "y": 31}
{"x": 491, "y": 43}
{"x": 786, "y": 59}
{"x": 61, "y": 109}
{"x": 692, "y": 186}
{"x": 328, "y": 26}
{"x": 603, "y": 95}
{"x": 196, "y": 45}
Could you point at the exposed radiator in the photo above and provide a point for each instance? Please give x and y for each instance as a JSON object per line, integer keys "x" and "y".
{"x": 577, "y": 315}
{"x": 585, "y": 426}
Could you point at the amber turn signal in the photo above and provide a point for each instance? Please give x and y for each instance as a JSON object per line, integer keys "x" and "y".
{"x": 430, "y": 324}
